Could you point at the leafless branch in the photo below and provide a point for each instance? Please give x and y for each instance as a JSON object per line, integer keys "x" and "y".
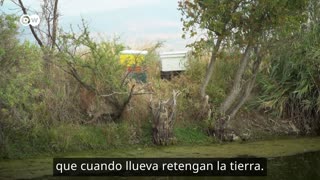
{"x": 24, "y": 10}
{"x": 114, "y": 93}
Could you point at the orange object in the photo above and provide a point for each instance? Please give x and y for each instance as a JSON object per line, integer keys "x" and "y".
{"x": 136, "y": 69}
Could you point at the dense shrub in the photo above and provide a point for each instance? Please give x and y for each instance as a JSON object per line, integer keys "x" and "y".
{"x": 289, "y": 84}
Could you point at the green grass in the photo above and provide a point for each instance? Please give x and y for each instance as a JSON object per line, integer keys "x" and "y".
{"x": 30, "y": 141}
{"x": 191, "y": 135}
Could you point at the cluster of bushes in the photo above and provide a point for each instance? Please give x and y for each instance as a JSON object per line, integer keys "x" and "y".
{"x": 40, "y": 106}
{"x": 40, "y": 100}
{"x": 289, "y": 85}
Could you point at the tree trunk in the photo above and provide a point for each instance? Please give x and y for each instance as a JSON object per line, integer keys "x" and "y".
{"x": 46, "y": 48}
{"x": 248, "y": 88}
{"x": 24, "y": 10}
{"x": 54, "y": 24}
{"x": 236, "y": 87}
{"x": 210, "y": 69}
{"x": 163, "y": 121}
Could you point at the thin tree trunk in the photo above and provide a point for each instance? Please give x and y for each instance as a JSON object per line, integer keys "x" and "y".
{"x": 24, "y": 10}
{"x": 243, "y": 98}
{"x": 210, "y": 69}
{"x": 236, "y": 87}
{"x": 248, "y": 88}
{"x": 54, "y": 24}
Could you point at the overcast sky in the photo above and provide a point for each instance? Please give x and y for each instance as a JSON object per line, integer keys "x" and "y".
{"x": 137, "y": 22}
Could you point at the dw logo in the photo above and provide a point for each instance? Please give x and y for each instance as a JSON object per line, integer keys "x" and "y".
{"x": 33, "y": 20}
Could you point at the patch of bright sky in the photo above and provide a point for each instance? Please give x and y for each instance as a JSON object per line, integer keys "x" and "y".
{"x": 137, "y": 22}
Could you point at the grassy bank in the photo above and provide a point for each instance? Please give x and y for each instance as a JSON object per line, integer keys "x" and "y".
{"x": 33, "y": 141}
{"x": 115, "y": 138}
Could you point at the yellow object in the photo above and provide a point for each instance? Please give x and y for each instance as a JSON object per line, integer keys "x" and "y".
{"x": 131, "y": 58}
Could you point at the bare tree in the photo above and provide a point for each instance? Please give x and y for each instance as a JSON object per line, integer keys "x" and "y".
{"x": 46, "y": 33}
{"x": 33, "y": 31}
{"x": 48, "y": 30}
{"x": 50, "y": 16}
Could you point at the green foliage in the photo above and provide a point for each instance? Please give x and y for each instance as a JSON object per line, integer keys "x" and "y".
{"x": 8, "y": 43}
{"x": 290, "y": 83}
{"x": 237, "y": 25}
{"x": 191, "y": 135}
{"x": 31, "y": 139}
{"x": 237, "y": 21}
{"x": 97, "y": 63}
{"x": 18, "y": 74}
{"x": 8, "y": 31}
{"x": 20, "y": 80}
{"x": 226, "y": 65}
